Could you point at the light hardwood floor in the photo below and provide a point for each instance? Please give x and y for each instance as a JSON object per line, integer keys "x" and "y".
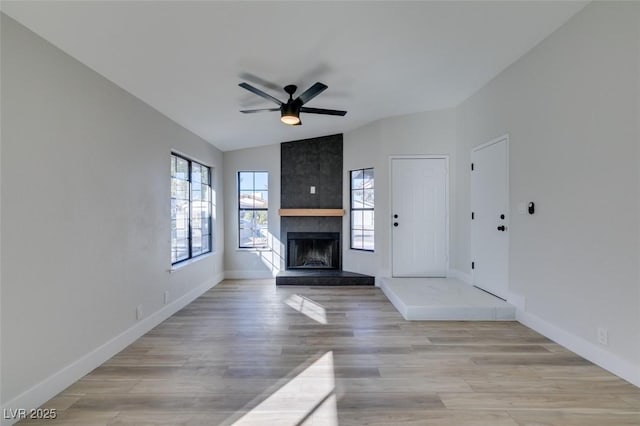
{"x": 247, "y": 352}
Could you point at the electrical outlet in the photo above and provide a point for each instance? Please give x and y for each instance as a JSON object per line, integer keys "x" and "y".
{"x": 166, "y": 297}
{"x": 139, "y": 312}
{"x": 603, "y": 336}
{"x": 312, "y": 190}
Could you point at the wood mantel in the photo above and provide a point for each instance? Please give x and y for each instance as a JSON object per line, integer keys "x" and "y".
{"x": 311, "y": 212}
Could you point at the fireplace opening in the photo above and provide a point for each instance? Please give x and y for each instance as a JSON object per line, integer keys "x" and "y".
{"x": 313, "y": 250}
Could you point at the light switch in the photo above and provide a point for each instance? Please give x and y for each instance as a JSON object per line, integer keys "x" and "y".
{"x": 312, "y": 190}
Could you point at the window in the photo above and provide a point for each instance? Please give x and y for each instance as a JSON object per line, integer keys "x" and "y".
{"x": 362, "y": 205}
{"x": 253, "y": 205}
{"x": 190, "y": 209}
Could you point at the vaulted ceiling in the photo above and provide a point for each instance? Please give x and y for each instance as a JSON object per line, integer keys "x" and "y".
{"x": 379, "y": 59}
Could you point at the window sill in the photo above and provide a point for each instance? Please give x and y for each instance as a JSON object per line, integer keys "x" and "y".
{"x": 254, "y": 249}
{"x": 181, "y": 265}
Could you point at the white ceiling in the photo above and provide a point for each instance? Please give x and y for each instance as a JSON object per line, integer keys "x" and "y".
{"x": 379, "y": 59}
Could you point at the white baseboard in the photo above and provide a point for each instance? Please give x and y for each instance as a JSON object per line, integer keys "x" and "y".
{"x": 590, "y": 351}
{"x": 517, "y": 300}
{"x": 378, "y": 280}
{"x": 57, "y": 382}
{"x": 459, "y": 275}
{"x": 248, "y": 275}
{"x": 217, "y": 279}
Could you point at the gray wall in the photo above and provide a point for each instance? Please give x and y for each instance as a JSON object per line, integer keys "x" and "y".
{"x": 246, "y": 263}
{"x": 85, "y": 210}
{"x": 571, "y": 107}
{"x": 428, "y": 133}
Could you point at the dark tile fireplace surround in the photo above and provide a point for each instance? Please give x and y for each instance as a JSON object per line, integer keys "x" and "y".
{"x": 313, "y": 254}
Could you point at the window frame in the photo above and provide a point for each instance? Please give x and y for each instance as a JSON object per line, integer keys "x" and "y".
{"x": 190, "y": 201}
{"x": 357, "y": 209}
{"x": 253, "y": 209}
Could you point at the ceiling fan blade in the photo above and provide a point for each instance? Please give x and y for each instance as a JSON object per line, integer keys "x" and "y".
{"x": 322, "y": 111}
{"x": 259, "y": 92}
{"x": 251, "y": 111}
{"x": 312, "y": 92}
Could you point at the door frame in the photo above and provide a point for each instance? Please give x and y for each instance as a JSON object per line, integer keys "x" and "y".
{"x": 505, "y": 137}
{"x": 447, "y": 209}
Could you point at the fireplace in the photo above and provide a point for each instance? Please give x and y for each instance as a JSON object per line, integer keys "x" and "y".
{"x": 311, "y": 188}
{"x": 313, "y": 250}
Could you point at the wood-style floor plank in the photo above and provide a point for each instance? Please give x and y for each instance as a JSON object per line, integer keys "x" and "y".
{"x": 248, "y": 353}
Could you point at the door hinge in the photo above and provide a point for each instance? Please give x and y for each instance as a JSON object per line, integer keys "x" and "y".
{"x": 471, "y": 166}
{"x": 473, "y": 215}
{"x": 473, "y": 265}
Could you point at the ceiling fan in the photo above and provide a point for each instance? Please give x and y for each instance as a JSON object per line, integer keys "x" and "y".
{"x": 290, "y": 110}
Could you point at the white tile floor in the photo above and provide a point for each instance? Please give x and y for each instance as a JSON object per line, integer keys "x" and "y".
{"x": 444, "y": 299}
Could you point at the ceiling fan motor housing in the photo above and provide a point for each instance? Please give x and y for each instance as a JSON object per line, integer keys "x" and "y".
{"x": 290, "y": 89}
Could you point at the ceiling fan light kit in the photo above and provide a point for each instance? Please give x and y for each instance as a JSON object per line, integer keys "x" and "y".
{"x": 289, "y": 114}
{"x": 290, "y": 111}
{"x": 290, "y": 119}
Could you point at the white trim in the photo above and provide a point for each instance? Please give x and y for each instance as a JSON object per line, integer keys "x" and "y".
{"x": 506, "y": 138}
{"x": 57, "y": 382}
{"x": 447, "y": 200}
{"x": 607, "y": 360}
{"x": 491, "y": 142}
{"x": 192, "y": 158}
{"x": 248, "y": 275}
{"x": 383, "y": 274}
{"x": 462, "y": 276}
{"x": 517, "y": 300}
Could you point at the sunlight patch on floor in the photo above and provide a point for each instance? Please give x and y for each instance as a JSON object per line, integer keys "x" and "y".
{"x": 308, "y": 307}
{"x": 307, "y": 398}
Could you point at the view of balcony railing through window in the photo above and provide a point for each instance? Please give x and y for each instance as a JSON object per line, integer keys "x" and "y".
{"x": 190, "y": 209}
{"x": 362, "y": 209}
{"x": 253, "y": 207}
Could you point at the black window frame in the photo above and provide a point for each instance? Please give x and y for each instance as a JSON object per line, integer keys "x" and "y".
{"x": 190, "y": 200}
{"x": 358, "y": 209}
{"x": 253, "y": 209}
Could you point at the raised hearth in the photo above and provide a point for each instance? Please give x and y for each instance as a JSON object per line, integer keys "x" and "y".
{"x": 322, "y": 277}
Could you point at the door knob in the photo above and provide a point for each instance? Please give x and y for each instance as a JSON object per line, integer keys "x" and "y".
{"x": 395, "y": 216}
{"x": 395, "y": 223}
{"x": 502, "y": 228}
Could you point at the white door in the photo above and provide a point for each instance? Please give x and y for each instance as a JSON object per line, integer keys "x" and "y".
{"x": 419, "y": 217}
{"x": 490, "y": 217}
